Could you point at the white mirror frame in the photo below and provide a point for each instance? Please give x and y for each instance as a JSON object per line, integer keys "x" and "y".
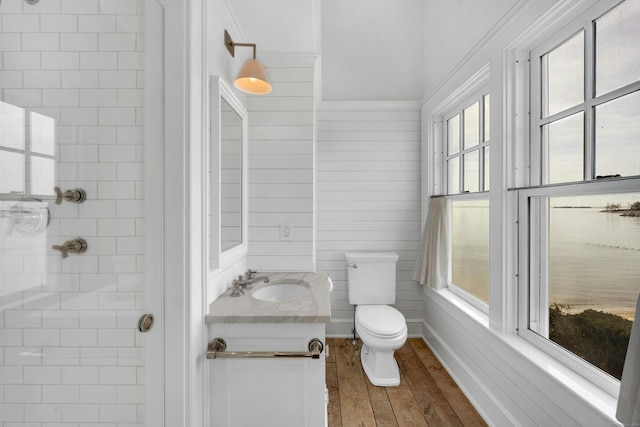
{"x": 218, "y": 260}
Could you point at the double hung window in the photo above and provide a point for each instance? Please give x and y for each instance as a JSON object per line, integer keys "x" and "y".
{"x": 580, "y": 219}
{"x": 465, "y": 147}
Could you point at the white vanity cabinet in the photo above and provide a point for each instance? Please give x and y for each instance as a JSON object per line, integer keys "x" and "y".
{"x": 270, "y": 391}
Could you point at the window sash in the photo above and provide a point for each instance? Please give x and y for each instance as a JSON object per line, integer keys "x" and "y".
{"x": 457, "y": 290}
{"x": 484, "y": 141}
{"x": 585, "y": 24}
{"x": 533, "y": 300}
{"x": 477, "y": 95}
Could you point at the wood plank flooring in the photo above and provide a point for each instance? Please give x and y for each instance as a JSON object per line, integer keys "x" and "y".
{"x": 427, "y": 396}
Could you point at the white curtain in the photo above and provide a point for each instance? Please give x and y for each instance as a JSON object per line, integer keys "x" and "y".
{"x": 628, "y": 412}
{"x": 432, "y": 263}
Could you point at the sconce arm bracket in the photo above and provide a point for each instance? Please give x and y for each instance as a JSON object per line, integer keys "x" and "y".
{"x": 231, "y": 45}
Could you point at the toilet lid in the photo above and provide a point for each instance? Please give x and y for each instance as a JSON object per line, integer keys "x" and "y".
{"x": 381, "y": 320}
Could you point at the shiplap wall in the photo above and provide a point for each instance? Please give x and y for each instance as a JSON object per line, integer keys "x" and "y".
{"x": 368, "y": 197}
{"x": 281, "y": 167}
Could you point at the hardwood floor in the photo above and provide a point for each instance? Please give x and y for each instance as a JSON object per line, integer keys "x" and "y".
{"x": 427, "y": 396}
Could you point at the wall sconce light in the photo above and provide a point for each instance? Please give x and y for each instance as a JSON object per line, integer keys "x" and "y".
{"x": 252, "y": 78}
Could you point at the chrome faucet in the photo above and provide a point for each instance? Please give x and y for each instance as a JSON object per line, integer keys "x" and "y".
{"x": 250, "y": 278}
{"x": 241, "y": 283}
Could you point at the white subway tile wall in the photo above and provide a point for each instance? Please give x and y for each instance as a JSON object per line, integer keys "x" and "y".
{"x": 368, "y": 195}
{"x": 70, "y": 353}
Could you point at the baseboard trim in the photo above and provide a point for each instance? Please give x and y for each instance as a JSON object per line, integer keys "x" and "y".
{"x": 485, "y": 402}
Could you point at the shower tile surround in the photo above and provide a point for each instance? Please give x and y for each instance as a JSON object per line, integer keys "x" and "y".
{"x": 70, "y": 353}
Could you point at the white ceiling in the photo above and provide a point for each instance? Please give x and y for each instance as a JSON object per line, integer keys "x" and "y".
{"x": 372, "y": 49}
{"x": 278, "y": 26}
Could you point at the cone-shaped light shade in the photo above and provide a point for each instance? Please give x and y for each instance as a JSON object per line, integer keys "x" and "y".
{"x": 252, "y": 78}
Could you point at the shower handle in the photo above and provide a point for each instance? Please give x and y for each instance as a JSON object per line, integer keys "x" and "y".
{"x": 77, "y": 195}
{"x": 75, "y": 246}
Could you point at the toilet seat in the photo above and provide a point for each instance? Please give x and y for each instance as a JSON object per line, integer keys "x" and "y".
{"x": 381, "y": 320}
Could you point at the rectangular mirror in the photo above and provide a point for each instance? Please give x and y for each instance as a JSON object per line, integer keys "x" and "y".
{"x": 231, "y": 177}
{"x": 228, "y": 177}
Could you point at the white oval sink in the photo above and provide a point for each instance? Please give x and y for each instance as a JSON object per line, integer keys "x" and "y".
{"x": 280, "y": 291}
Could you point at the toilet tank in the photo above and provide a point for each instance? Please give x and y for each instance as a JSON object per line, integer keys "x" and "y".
{"x": 371, "y": 277}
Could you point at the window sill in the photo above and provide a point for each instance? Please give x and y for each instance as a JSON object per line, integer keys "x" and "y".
{"x": 590, "y": 393}
{"x": 469, "y": 309}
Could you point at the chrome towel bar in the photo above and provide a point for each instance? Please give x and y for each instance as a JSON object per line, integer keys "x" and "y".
{"x": 217, "y": 350}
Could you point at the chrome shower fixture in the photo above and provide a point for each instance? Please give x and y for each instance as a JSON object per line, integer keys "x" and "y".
{"x": 27, "y": 1}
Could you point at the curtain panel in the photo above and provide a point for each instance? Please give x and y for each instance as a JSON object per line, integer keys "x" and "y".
{"x": 628, "y": 412}
{"x": 433, "y": 258}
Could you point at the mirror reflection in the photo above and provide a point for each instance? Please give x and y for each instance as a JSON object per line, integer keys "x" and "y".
{"x": 27, "y": 152}
{"x": 231, "y": 177}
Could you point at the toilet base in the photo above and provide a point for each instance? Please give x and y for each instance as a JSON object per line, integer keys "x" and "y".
{"x": 380, "y": 366}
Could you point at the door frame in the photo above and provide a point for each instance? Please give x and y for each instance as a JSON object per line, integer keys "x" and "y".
{"x": 175, "y": 366}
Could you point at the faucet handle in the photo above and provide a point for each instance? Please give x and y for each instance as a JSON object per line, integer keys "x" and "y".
{"x": 250, "y": 274}
{"x": 77, "y": 195}
{"x": 75, "y": 246}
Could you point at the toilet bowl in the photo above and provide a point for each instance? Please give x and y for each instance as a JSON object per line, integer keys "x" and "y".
{"x": 383, "y": 330}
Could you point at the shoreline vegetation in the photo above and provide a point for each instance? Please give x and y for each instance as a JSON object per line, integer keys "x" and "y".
{"x": 620, "y": 312}
{"x": 598, "y": 337}
{"x": 632, "y": 211}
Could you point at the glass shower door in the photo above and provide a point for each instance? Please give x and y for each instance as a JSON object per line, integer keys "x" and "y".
{"x": 71, "y": 213}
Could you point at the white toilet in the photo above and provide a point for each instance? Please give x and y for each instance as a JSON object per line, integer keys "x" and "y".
{"x": 382, "y": 328}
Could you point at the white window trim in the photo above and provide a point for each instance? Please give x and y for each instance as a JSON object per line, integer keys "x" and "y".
{"x": 510, "y": 169}
{"x": 466, "y": 100}
{"x": 585, "y": 369}
{"x": 477, "y": 96}
{"x": 522, "y": 170}
{"x": 578, "y": 25}
{"x": 434, "y": 132}
{"x": 475, "y": 87}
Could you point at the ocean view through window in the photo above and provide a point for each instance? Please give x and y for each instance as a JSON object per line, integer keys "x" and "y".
{"x": 470, "y": 247}
{"x": 580, "y": 219}
{"x": 466, "y": 142}
{"x": 589, "y": 262}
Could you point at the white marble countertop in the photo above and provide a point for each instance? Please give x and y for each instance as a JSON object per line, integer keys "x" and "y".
{"x": 313, "y": 307}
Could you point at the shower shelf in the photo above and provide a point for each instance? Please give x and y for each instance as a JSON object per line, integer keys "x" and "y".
{"x": 26, "y": 216}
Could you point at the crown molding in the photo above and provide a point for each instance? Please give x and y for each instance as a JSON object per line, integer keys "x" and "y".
{"x": 476, "y": 47}
{"x": 473, "y": 84}
{"x": 557, "y": 15}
